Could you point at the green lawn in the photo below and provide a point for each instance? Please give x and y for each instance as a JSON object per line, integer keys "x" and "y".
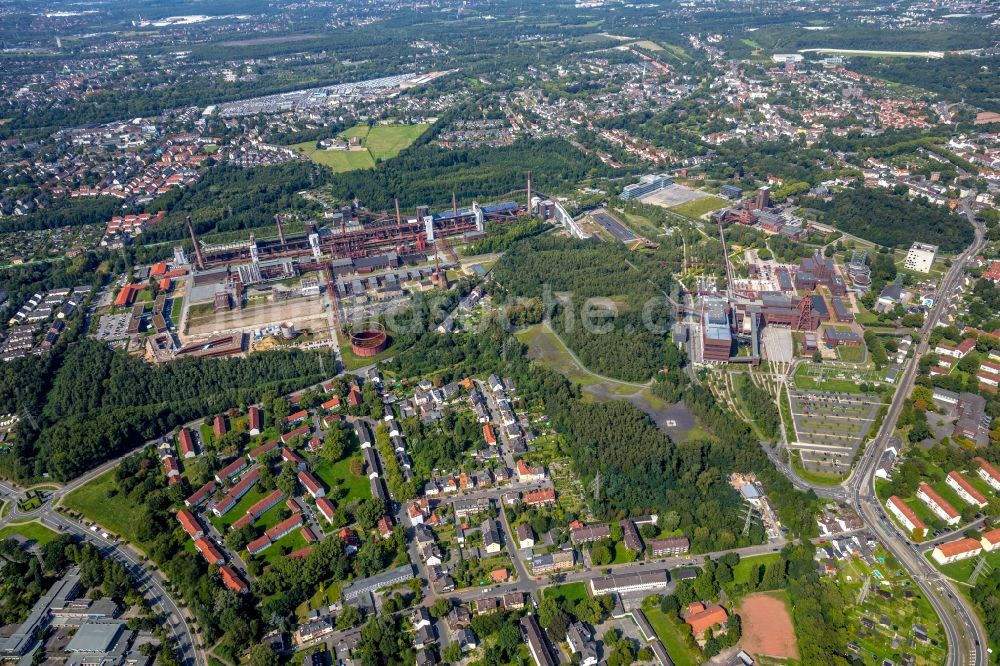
{"x": 33, "y": 531}
{"x": 286, "y": 544}
{"x": 337, "y": 160}
{"x": 818, "y": 377}
{"x": 849, "y": 354}
{"x": 239, "y": 510}
{"x": 115, "y": 512}
{"x": 572, "y": 592}
{"x": 385, "y": 141}
{"x": 342, "y": 486}
{"x": 669, "y": 632}
{"x": 698, "y": 207}
{"x": 742, "y": 571}
{"x": 356, "y": 131}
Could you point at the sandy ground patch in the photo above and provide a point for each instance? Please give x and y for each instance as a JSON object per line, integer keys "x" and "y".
{"x": 767, "y": 627}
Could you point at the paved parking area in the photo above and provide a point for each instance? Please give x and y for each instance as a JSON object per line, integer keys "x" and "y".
{"x": 673, "y": 195}
{"x": 778, "y": 345}
{"x": 829, "y": 427}
{"x": 113, "y": 327}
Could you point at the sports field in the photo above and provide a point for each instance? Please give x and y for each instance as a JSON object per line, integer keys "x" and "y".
{"x": 338, "y": 160}
{"x": 767, "y": 626}
{"x": 380, "y": 142}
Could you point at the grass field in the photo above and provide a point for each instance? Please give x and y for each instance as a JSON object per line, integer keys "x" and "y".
{"x": 698, "y": 207}
{"x": 33, "y": 531}
{"x": 337, "y": 160}
{"x": 669, "y": 632}
{"x": 115, "y": 513}
{"x": 742, "y": 571}
{"x": 849, "y": 354}
{"x": 572, "y": 592}
{"x": 385, "y": 141}
{"x": 552, "y": 352}
{"x": 342, "y": 486}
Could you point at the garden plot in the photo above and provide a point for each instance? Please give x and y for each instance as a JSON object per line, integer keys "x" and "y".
{"x": 829, "y": 427}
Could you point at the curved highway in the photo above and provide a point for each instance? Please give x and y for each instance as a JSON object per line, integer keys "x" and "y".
{"x": 967, "y": 639}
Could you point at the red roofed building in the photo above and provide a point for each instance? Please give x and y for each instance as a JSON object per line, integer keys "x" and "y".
{"x": 489, "y": 435}
{"x": 258, "y": 545}
{"x": 543, "y": 497}
{"x": 300, "y": 553}
{"x": 232, "y": 580}
{"x": 988, "y": 473}
{"x": 332, "y": 403}
{"x": 288, "y": 455}
{"x": 126, "y": 295}
{"x": 200, "y": 495}
{"x": 706, "y": 618}
{"x": 261, "y": 506}
{"x": 190, "y": 524}
{"x": 209, "y": 551}
{"x": 170, "y": 466}
{"x": 262, "y": 449}
{"x": 165, "y": 284}
{"x": 956, "y": 551}
{"x": 284, "y": 527}
{"x": 385, "y": 527}
{"x": 231, "y": 470}
{"x": 904, "y": 514}
{"x": 965, "y": 490}
{"x": 254, "y": 421}
{"x": 158, "y": 269}
{"x": 326, "y": 508}
{"x": 311, "y": 484}
{"x": 301, "y": 431}
{"x": 347, "y": 536}
{"x": 990, "y": 540}
{"x": 298, "y": 416}
{"x": 243, "y": 521}
{"x": 186, "y": 443}
{"x": 938, "y": 505}
{"x": 993, "y": 272}
{"x": 219, "y": 426}
{"x": 307, "y": 534}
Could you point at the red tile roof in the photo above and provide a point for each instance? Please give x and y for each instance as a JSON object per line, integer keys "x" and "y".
{"x": 201, "y": 494}
{"x": 967, "y": 487}
{"x": 231, "y": 579}
{"x": 310, "y": 482}
{"x": 189, "y": 523}
{"x": 988, "y": 468}
{"x": 209, "y": 550}
{"x": 908, "y": 512}
{"x": 937, "y": 499}
{"x": 706, "y": 619}
{"x": 959, "y": 546}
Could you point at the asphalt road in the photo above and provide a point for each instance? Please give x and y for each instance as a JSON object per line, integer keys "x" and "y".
{"x": 967, "y": 639}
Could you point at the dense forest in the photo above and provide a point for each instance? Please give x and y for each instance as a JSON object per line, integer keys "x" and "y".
{"x": 884, "y": 218}
{"x": 956, "y": 78}
{"x": 230, "y": 198}
{"x": 99, "y": 403}
{"x": 425, "y": 174}
{"x": 620, "y": 293}
{"x": 64, "y": 213}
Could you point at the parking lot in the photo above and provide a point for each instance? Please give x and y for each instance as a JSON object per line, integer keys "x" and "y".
{"x": 778, "y": 345}
{"x": 829, "y": 427}
{"x": 113, "y": 327}
{"x": 673, "y": 195}
{"x": 613, "y": 226}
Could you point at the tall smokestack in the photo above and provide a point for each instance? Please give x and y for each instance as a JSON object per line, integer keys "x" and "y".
{"x": 281, "y": 232}
{"x": 198, "y": 260}
{"x": 399, "y": 218}
{"x": 529, "y": 192}
{"x": 454, "y": 204}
